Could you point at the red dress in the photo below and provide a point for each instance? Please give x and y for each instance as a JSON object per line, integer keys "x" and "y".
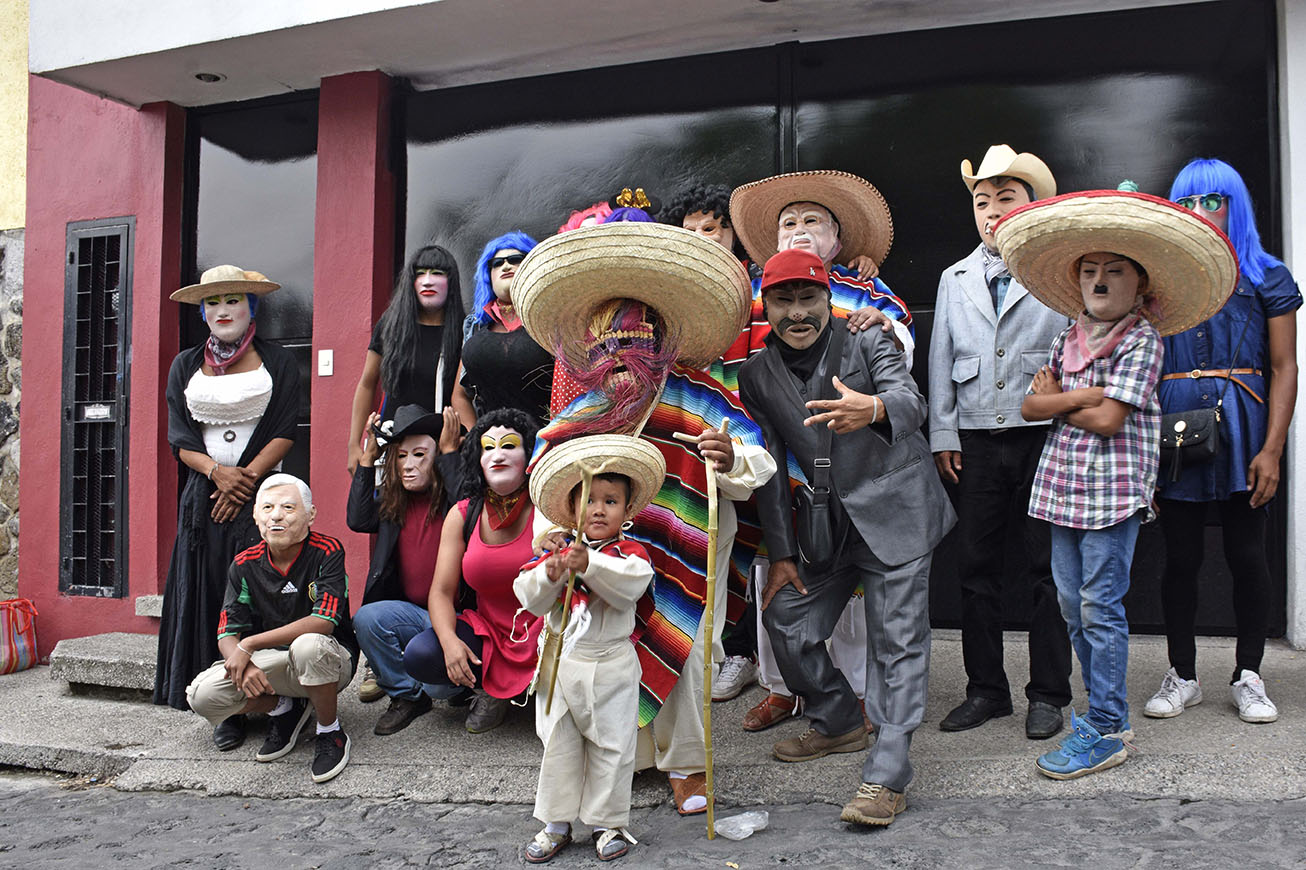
{"x": 507, "y": 655}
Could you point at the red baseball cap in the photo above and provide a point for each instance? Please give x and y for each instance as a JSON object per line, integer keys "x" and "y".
{"x": 794, "y": 264}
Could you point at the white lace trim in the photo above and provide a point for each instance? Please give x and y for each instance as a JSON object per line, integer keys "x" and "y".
{"x": 226, "y": 399}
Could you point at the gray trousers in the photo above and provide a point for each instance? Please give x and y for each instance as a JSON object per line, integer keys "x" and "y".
{"x": 897, "y": 653}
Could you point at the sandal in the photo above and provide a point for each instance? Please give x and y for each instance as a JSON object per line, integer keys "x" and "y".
{"x": 612, "y": 843}
{"x": 544, "y": 846}
{"x": 771, "y": 710}
{"x": 694, "y": 785}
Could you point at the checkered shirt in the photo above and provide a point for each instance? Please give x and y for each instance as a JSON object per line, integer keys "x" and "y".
{"x": 1090, "y": 481}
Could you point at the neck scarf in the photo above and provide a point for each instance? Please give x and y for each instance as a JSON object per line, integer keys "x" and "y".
{"x": 1090, "y": 338}
{"x": 504, "y": 312}
{"x": 220, "y": 354}
{"x": 993, "y": 265}
{"x": 504, "y": 510}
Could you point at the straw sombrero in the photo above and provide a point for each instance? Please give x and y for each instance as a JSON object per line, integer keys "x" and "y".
{"x": 1191, "y": 266}
{"x": 865, "y": 225}
{"x": 697, "y": 286}
{"x": 559, "y": 471}
{"x": 225, "y": 279}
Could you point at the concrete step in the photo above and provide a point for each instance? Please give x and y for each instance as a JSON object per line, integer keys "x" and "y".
{"x": 120, "y": 660}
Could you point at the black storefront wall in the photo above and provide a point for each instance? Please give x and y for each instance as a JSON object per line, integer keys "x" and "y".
{"x": 1100, "y": 97}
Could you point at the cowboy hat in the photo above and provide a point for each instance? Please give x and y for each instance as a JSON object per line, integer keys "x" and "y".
{"x": 865, "y": 225}
{"x": 1191, "y": 266}
{"x": 225, "y": 279}
{"x": 698, "y": 287}
{"x": 1001, "y": 161}
{"x": 410, "y": 420}
{"x": 557, "y": 473}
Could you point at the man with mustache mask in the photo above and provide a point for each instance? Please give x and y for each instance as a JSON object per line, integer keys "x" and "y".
{"x": 888, "y": 511}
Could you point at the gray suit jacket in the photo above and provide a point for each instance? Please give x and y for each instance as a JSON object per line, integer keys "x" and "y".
{"x": 981, "y": 363}
{"x": 883, "y": 475}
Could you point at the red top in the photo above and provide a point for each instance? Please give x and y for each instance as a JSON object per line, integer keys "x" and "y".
{"x": 507, "y": 655}
{"x": 419, "y": 542}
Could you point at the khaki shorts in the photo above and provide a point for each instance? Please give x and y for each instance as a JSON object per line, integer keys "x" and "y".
{"x": 312, "y": 660}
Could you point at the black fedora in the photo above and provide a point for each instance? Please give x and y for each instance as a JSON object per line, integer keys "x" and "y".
{"x": 410, "y": 420}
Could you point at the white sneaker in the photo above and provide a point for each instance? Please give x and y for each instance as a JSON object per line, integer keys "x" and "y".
{"x": 1249, "y": 698}
{"x": 1173, "y": 697}
{"x": 737, "y": 673}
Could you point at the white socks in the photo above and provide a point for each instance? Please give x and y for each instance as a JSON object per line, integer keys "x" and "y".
{"x": 283, "y": 706}
{"x": 332, "y": 726}
{"x": 557, "y": 828}
{"x": 693, "y": 802}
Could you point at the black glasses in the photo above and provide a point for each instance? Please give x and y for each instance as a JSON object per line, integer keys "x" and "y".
{"x": 1208, "y": 201}
{"x": 511, "y": 260}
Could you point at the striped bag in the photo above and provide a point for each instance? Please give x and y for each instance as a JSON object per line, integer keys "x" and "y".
{"x": 17, "y": 635}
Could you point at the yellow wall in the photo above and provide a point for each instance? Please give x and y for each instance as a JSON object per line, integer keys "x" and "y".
{"x": 13, "y": 114}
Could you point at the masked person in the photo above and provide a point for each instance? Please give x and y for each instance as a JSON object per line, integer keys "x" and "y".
{"x": 287, "y": 644}
{"x": 1129, "y": 267}
{"x": 990, "y": 337}
{"x": 637, "y": 350}
{"x": 233, "y": 408}
{"x": 887, "y": 509}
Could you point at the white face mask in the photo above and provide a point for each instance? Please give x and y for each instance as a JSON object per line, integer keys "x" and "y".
{"x": 227, "y": 316}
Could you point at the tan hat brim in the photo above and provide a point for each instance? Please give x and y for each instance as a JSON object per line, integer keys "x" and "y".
{"x": 1025, "y": 166}
{"x": 865, "y": 225}
{"x": 697, "y": 286}
{"x": 199, "y": 292}
{"x": 558, "y": 472}
{"x": 1191, "y": 266}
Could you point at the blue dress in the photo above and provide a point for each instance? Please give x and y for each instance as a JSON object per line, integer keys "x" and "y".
{"x": 1244, "y": 414}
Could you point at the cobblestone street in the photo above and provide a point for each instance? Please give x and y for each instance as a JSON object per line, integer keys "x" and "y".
{"x": 55, "y": 822}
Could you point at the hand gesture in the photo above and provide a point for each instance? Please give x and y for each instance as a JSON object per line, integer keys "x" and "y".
{"x": 781, "y": 573}
{"x": 458, "y": 661}
{"x": 851, "y": 411}
{"x": 371, "y": 449}
{"x": 234, "y": 482}
{"x": 451, "y": 435}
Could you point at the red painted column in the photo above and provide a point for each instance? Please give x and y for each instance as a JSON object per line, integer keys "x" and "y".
{"x": 89, "y": 158}
{"x": 353, "y": 269}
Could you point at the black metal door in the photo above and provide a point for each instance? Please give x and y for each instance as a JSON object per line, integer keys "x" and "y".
{"x": 93, "y": 467}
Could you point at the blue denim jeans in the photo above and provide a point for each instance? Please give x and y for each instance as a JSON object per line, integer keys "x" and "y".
{"x": 384, "y": 628}
{"x": 1091, "y": 570}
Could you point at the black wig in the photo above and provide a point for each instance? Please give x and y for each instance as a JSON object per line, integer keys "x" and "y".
{"x": 399, "y": 323}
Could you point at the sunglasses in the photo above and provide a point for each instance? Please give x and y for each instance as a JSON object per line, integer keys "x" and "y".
{"x": 511, "y": 260}
{"x": 1208, "y": 201}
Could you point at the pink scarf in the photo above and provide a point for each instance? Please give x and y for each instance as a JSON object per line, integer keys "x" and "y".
{"x": 220, "y": 354}
{"x": 1090, "y": 338}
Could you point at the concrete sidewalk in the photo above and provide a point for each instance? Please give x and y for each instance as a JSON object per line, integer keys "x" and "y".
{"x": 1207, "y": 753}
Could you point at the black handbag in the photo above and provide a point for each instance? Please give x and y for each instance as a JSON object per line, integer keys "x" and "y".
{"x": 1193, "y": 437}
{"x": 814, "y": 521}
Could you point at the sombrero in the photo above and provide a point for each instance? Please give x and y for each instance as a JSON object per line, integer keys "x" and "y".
{"x": 1191, "y": 266}
{"x": 697, "y": 286}
{"x": 1002, "y": 160}
{"x": 225, "y": 279}
{"x": 865, "y": 225}
{"x": 559, "y": 471}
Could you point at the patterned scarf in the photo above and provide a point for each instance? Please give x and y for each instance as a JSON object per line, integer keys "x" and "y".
{"x": 1090, "y": 338}
{"x": 220, "y": 354}
{"x": 504, "y": 312}
{"x": 504, "y": 510}
{"x": 993, "y": 265}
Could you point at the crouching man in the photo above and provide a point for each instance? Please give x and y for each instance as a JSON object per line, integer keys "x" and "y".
{"x": 864, "y": 448}
{"x": 284, "y": 632}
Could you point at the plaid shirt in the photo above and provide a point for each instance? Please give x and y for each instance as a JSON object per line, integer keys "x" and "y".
{"x": 1090, "y": 481}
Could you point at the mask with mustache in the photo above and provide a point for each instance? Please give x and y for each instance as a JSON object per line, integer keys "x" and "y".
{"x": 810, "y": 320}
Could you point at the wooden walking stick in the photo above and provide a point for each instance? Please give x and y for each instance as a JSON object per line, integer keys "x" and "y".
{"x": 709, "y": 613}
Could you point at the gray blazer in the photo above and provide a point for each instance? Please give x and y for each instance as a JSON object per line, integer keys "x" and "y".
{"x": 883, "y": 474}
{"x": 982, "y": 364}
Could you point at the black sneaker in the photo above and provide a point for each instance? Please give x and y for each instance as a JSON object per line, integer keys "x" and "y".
{"x": 283, "y": 731}
{"x": 230, "y": 733}
{"x": 331, "y": 755}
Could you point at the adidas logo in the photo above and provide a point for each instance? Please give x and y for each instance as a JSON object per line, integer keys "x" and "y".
{"x": 288, "y": 589}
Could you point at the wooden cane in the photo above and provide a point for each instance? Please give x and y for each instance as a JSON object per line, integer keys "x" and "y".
{"x": 586, "y": 478}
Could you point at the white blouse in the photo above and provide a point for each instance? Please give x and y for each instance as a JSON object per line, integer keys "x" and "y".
{"x": 228, "y": 408}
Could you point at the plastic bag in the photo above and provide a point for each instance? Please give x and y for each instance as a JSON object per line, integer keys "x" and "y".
{"x": 741, "y": 826}
{"x": 17, "y": 635}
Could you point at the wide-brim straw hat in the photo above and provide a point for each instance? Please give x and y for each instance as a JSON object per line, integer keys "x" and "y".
{"x": 865, "y": 225}
{"x": 1191, "y": 265}
{"x": 560, "y": 469}
{"x": 225, "y": 279}
{"x": 1002, "y": 161}
{"x": 697, "y": 286}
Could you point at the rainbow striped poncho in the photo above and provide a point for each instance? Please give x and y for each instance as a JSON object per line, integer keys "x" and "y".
{"x": 674, "y": 527}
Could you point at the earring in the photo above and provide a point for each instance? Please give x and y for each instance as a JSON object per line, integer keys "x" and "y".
{"x": 626, "y": 526}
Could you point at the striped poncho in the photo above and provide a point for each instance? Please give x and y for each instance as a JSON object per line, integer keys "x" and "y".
{"x": 674, "y": 527}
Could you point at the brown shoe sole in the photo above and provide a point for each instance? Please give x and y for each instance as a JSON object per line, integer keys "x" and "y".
{"x": 851, "y": 814}
{"x": 854, "y": 744}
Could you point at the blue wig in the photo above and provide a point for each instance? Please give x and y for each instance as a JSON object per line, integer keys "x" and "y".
{"x": 630, "y": 215}
{"x": 1208, "y": 175}
{"x": 513, "y": 241}
{"x": 249, "y": 297}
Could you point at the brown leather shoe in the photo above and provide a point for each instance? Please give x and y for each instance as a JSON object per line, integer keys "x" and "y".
{"x": 874, "y": 805}
{"x": 401, "y": 713}
{"x": 771, "y": 711}
{"x": 813, "y": 744}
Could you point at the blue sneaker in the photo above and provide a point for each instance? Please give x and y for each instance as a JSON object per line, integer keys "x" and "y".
{"x": 1082, "y": 752}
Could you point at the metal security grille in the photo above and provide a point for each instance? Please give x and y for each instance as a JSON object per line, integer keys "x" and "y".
{"x": 93, "y": 503}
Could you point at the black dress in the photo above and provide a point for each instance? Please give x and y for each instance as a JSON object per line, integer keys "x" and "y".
{"x": 418, "y": 386}
{"x": 507, "y": 370}
{"x": 192, "y": 599}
